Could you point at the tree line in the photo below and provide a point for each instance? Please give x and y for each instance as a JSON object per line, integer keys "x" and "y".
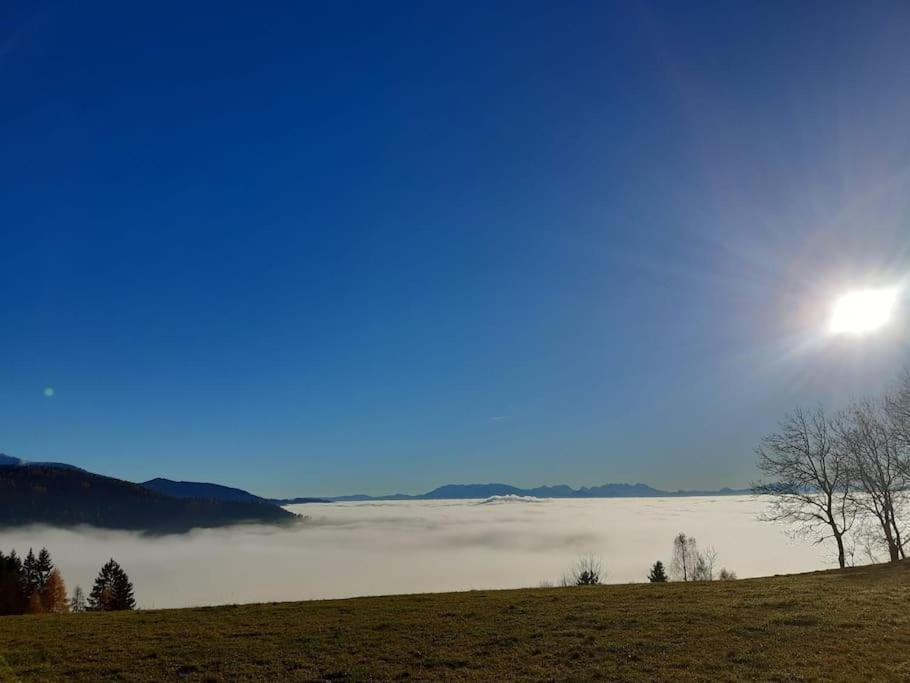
{"x": 34, "y": 585}
{"x": 845, "y": 477}
{"x": 688, "y": 563}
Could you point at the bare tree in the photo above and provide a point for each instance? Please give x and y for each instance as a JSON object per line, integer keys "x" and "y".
{"x": 897, "y": 410}
{"x": 587, "y": 571}
{"x": 878, "y": 469}
{"x": 897, "y": 413}
{"x": 689, "y": 563}
{"x": 807, "y": 479}
{"x": 685, "y": 558}
{"x": 77, "y": 603}
{"x": 704, "y": 564}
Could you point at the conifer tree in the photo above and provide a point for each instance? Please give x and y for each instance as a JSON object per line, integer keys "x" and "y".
{"x": 30, "y": 575}
{"x": 112, "y": 590}
{"x": 12, "y": 584}
{"x": 657, "y": 575}
{"x": 123, "y": 591}
{"x": 35, "y": 573}
{"x": 43, "y": 567}
{"x": 99, "y": 600}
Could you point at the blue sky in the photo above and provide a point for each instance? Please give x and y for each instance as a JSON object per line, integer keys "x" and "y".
{"x": 363, "y": 247}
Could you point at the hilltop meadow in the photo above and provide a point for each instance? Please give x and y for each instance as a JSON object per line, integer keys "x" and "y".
{"x": 851, "y": 624}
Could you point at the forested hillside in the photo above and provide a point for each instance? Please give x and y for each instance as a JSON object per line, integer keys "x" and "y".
{"x": 38, "y": 494}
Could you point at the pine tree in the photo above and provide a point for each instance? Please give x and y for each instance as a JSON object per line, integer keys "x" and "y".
{"x": 99, "y": 600}
{"x": 112, "y": 590}
{"x": 657, "y": 575}
{"x": 123, "y": 591}
{"x": 43, "y": 567}
{"x": 12, "y": 584}
{"x": 35, "y": 572}
{"x": 31, "y": 578}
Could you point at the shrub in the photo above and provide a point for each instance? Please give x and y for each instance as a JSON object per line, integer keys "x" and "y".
{"x": 587, "y": 571}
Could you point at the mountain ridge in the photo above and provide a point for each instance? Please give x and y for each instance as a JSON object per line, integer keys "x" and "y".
{"x": 608, "y": 490}
{"x": 186, "y": 490}
{"x": 203, "y": 490}
{"x": 10, "y": 461}
{"x": 66, "y": 497}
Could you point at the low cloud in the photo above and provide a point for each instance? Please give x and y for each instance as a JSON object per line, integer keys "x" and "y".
{"x": 415, "y": 546}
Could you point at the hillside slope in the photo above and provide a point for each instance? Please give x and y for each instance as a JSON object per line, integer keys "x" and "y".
{"x": 39, "y": 494}
{"x": 199, "y": 489}
{"x": 837, "y": 625}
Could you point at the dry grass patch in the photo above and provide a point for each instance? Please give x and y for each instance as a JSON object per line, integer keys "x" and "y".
{"x": 844, "y": 625}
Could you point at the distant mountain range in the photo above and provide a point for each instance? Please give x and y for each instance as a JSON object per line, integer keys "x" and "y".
{"x": 65, "y": 495}
{"x": 189, "y": 489}
{"x": 467, "y": 491}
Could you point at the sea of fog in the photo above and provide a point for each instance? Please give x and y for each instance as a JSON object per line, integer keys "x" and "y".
{"x": 371, "y": 548}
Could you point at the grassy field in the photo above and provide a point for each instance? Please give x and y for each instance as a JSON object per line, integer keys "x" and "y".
{"x": 847, "y": 625}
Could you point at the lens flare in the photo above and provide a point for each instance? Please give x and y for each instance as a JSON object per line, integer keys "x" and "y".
{"x": 863, "y": 310}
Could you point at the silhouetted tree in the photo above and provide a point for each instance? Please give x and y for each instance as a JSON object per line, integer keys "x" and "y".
{"x": 808, "y": 479}
{"x": 12, "y": 584}
{"x": 897, "y": 409}
{"x": 33, "y": 585}
{"x": 877, "y": 457}
{"x": 36, "y": 571}
{"x": 112, "y": 590}
{"x": 726, "y": 575}
{"x": 99, "y": 600}
{"x": 43, "y": 567}
{"x": 123, "y": 591}
{"x": 657, "y": 575}
{"x": 31, "y": 576}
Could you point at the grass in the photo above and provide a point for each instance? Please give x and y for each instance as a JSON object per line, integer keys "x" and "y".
{"x": 844, "y": 625}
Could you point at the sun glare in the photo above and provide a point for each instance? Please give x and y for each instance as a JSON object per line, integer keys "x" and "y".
{"x": 863, "y": 310}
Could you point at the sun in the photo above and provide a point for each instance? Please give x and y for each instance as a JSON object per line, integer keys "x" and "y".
{"x": 863, "y": 310}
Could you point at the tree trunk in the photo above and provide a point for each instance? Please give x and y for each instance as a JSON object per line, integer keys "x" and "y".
{"x": 893, "y": 549}
{"x": 841, "y": 555}
{"x": 897, "y": 539}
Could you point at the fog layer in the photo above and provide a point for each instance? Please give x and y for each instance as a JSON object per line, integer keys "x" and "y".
{"x": 348, "y": 549}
